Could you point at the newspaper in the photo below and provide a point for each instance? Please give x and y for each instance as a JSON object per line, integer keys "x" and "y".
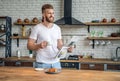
{"x": 63, "y": 52}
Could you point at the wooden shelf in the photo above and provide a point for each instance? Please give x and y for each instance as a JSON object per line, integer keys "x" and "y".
{"x": 2, "y": 31}
{"x": 19, "y": 37}
{"x": 3, "y": 16}
{"x": 2, "y": 45}
{"x": 103, "y": 38}
{"x": 103, "y": 24}
{"x": 25, "y": 23}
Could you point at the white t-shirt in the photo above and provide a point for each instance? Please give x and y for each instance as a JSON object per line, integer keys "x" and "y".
{"x": 41, "y": 33}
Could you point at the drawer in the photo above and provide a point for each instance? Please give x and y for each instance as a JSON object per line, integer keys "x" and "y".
{"x": 113, "y": 67}
{"x": 10, "y": 63}
{"x": 17, "y": 63}
{"x": 92, "y": 66}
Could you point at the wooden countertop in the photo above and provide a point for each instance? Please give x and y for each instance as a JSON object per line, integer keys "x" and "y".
{"x": 29, "y": 74}
{"x": 103, "y": 61}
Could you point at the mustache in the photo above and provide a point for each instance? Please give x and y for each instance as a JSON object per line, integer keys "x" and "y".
{"x": 51, "y": 17}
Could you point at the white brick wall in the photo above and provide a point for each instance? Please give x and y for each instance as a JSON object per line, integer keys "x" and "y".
{"x": 83, "y": 10}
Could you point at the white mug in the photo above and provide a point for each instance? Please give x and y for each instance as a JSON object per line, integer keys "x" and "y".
{"x": 91, "y": 43}
{"x": 102, "y": 42}
{"x": 96, "y": 43}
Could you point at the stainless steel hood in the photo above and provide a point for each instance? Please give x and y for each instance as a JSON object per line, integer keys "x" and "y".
{"x": 68, "y": 19}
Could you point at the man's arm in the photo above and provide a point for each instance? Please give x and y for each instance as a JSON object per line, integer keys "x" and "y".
{"x": 59, "y": 44}
{"x": 31, "y": 45}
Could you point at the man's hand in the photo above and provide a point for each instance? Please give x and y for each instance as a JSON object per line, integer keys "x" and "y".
{"x": 70, "y": 49}
{"x": 43, "y": 44}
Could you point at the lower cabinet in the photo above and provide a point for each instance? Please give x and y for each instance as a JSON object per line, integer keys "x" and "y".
{"x": 91, "y": 66}
{"x": 18, "y": 63}
{"x": 113, "y": 67}
{"x": 68, "y": 65}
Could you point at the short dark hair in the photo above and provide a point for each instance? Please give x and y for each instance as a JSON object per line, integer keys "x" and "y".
{"x": 46, "y": 6}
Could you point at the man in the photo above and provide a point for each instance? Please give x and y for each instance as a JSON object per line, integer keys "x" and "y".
{"x": 46, "y": 40}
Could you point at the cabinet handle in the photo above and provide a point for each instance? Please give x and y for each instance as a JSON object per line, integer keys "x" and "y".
{"x": 91, "y": 65}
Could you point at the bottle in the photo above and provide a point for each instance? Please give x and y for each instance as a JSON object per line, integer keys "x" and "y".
{"x": 23, "y": 31}
{"x": 30, "y": 54}
{"x": 18, "y": 53}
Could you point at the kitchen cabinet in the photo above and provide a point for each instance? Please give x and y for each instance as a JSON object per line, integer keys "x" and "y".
{"x": 101, "y": 38}
{"x": 85, "y": 64}
{"x": 92, "y": 66}
{"x": 21, "y": 62}
{"x": 5, "y": 30}
{"x": 113, "y": 67}
{"x": 18, "y": 63}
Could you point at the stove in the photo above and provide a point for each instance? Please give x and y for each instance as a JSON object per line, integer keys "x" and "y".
{"x": 73, "y": 57}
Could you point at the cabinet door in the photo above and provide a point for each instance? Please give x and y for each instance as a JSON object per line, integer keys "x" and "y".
{"x": 18, "y": 63}
{"x": 92, "y": 66}
{"x": 10, "y": 63}
{"x": 113, "y": 67}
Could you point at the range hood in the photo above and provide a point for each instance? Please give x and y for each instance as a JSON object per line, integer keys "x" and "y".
{"x": 68, "y": 19}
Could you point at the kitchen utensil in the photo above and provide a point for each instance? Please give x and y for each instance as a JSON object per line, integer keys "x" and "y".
{"x": 2, "y": 27}
{"x": 102, "y": 43}
{"x": 97, "y": 43}
{"x": 108, "y": 43}
{"x": 91, "y": 43}
{"x": 19, "y": 21}
{"x": 104, "y": 20}
{"x": 17, "y": 42}
{"x": 113, "y": 20}
{"x": 15, "y": 34}
{"x": 114, "y": 34}
{"x": 26, "y": 20}
{"x": 95, "y": 21}
{"x": 35, "y": 20}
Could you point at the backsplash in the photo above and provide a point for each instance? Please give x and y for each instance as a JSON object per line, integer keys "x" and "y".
{"x": 83, "y": 10}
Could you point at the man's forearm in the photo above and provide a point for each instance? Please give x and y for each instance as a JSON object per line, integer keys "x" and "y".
{"x": 34, "y": 47}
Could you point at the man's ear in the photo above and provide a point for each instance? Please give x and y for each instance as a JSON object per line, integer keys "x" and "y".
{"x": 42, "y": 18}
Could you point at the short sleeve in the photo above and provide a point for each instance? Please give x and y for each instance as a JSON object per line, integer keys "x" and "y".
{"x": 33, "y": 34}
{"x": 59, "y": 33}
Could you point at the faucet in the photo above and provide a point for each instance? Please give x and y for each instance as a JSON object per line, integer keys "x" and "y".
{"x": 117, "y": 52}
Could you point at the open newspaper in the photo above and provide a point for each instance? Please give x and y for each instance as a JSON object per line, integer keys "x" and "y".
{"x": 63, "y": 52}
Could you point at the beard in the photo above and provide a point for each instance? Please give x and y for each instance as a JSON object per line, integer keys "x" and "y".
{"x": 50, "y": 19}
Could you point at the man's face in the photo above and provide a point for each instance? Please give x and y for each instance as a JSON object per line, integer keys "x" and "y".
{"x": 49, "y": 15}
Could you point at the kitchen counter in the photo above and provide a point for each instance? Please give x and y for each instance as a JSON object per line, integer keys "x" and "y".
{"x": 29, "y": 74}
{"x": 88, "y": 64}
{"x": 104, "y": 61}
